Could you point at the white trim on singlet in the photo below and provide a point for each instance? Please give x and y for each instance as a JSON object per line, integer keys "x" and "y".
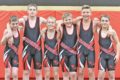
{"x": 66, "y": 66}
{"x": 81, "y": 65}
{"x": 102, "y": 67}
{"x": 24, "y": 51}
{"x": 28, "y": 65}
{"x": 5, "y": 54}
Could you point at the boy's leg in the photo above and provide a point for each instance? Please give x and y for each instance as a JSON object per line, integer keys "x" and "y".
{"x": 37, "y": 60}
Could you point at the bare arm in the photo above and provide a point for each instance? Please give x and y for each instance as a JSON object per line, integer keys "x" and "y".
{"x": 96, "y": 25}
{"x": 77, "y": 19}
{"x": 42, "y": 20}
{"x": 58, "y": 32}
{"x": 116, "y": 39}
{"x": 43, "y": 32}
{"x": 9, "y": 34}
{"x": 23, "y": 19}
{"x": 6, "y": 36}
{"x": 78, "y": 29}
{"x": 22, "y": 22}
{"x": 59, "y": 22}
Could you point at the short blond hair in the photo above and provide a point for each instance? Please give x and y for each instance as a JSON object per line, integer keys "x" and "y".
{"x": 86, "y": 7}
{"x": 67, "y": 14}
{"x": 104, "y": 15}
{"x": 51, "y": 17}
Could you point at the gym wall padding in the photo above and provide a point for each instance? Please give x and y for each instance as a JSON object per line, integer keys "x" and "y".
{"x": 4, "y": 18}
{"x": 61, "y": 2}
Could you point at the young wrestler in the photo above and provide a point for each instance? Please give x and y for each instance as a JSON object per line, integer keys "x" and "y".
{"x": 108, "y": 58}
{"x": 67, "y": 50}
{"x": 31, "y": 42}
{"x": 11, "y": 41}
{"x": 85, "y": 37}
{"x": 32, "y": 49}
{"x": 51, "y": 57}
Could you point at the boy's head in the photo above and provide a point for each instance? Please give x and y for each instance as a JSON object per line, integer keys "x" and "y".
{"x": 32, "y": 10}
{"x": 105, "y": 20}
{"x": 67, "y": 19}
{"x": 86, "y": 12}
{"x": 13, "y": 22}
{"x": 51, "y": 22}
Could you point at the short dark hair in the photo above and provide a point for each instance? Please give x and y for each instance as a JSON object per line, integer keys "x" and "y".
{"x": 35, "y": 5}
{"x": 13, "y": 18}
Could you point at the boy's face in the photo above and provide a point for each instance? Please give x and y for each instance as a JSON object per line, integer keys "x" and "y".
{"x": 51, "y": 23}
{"x": 105, "y": 22}
{"x": 32, "y": 11}
{"x": 86, "y": 13}
{"x": 14, "y": 24}
{"x": 68, "y": 21}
